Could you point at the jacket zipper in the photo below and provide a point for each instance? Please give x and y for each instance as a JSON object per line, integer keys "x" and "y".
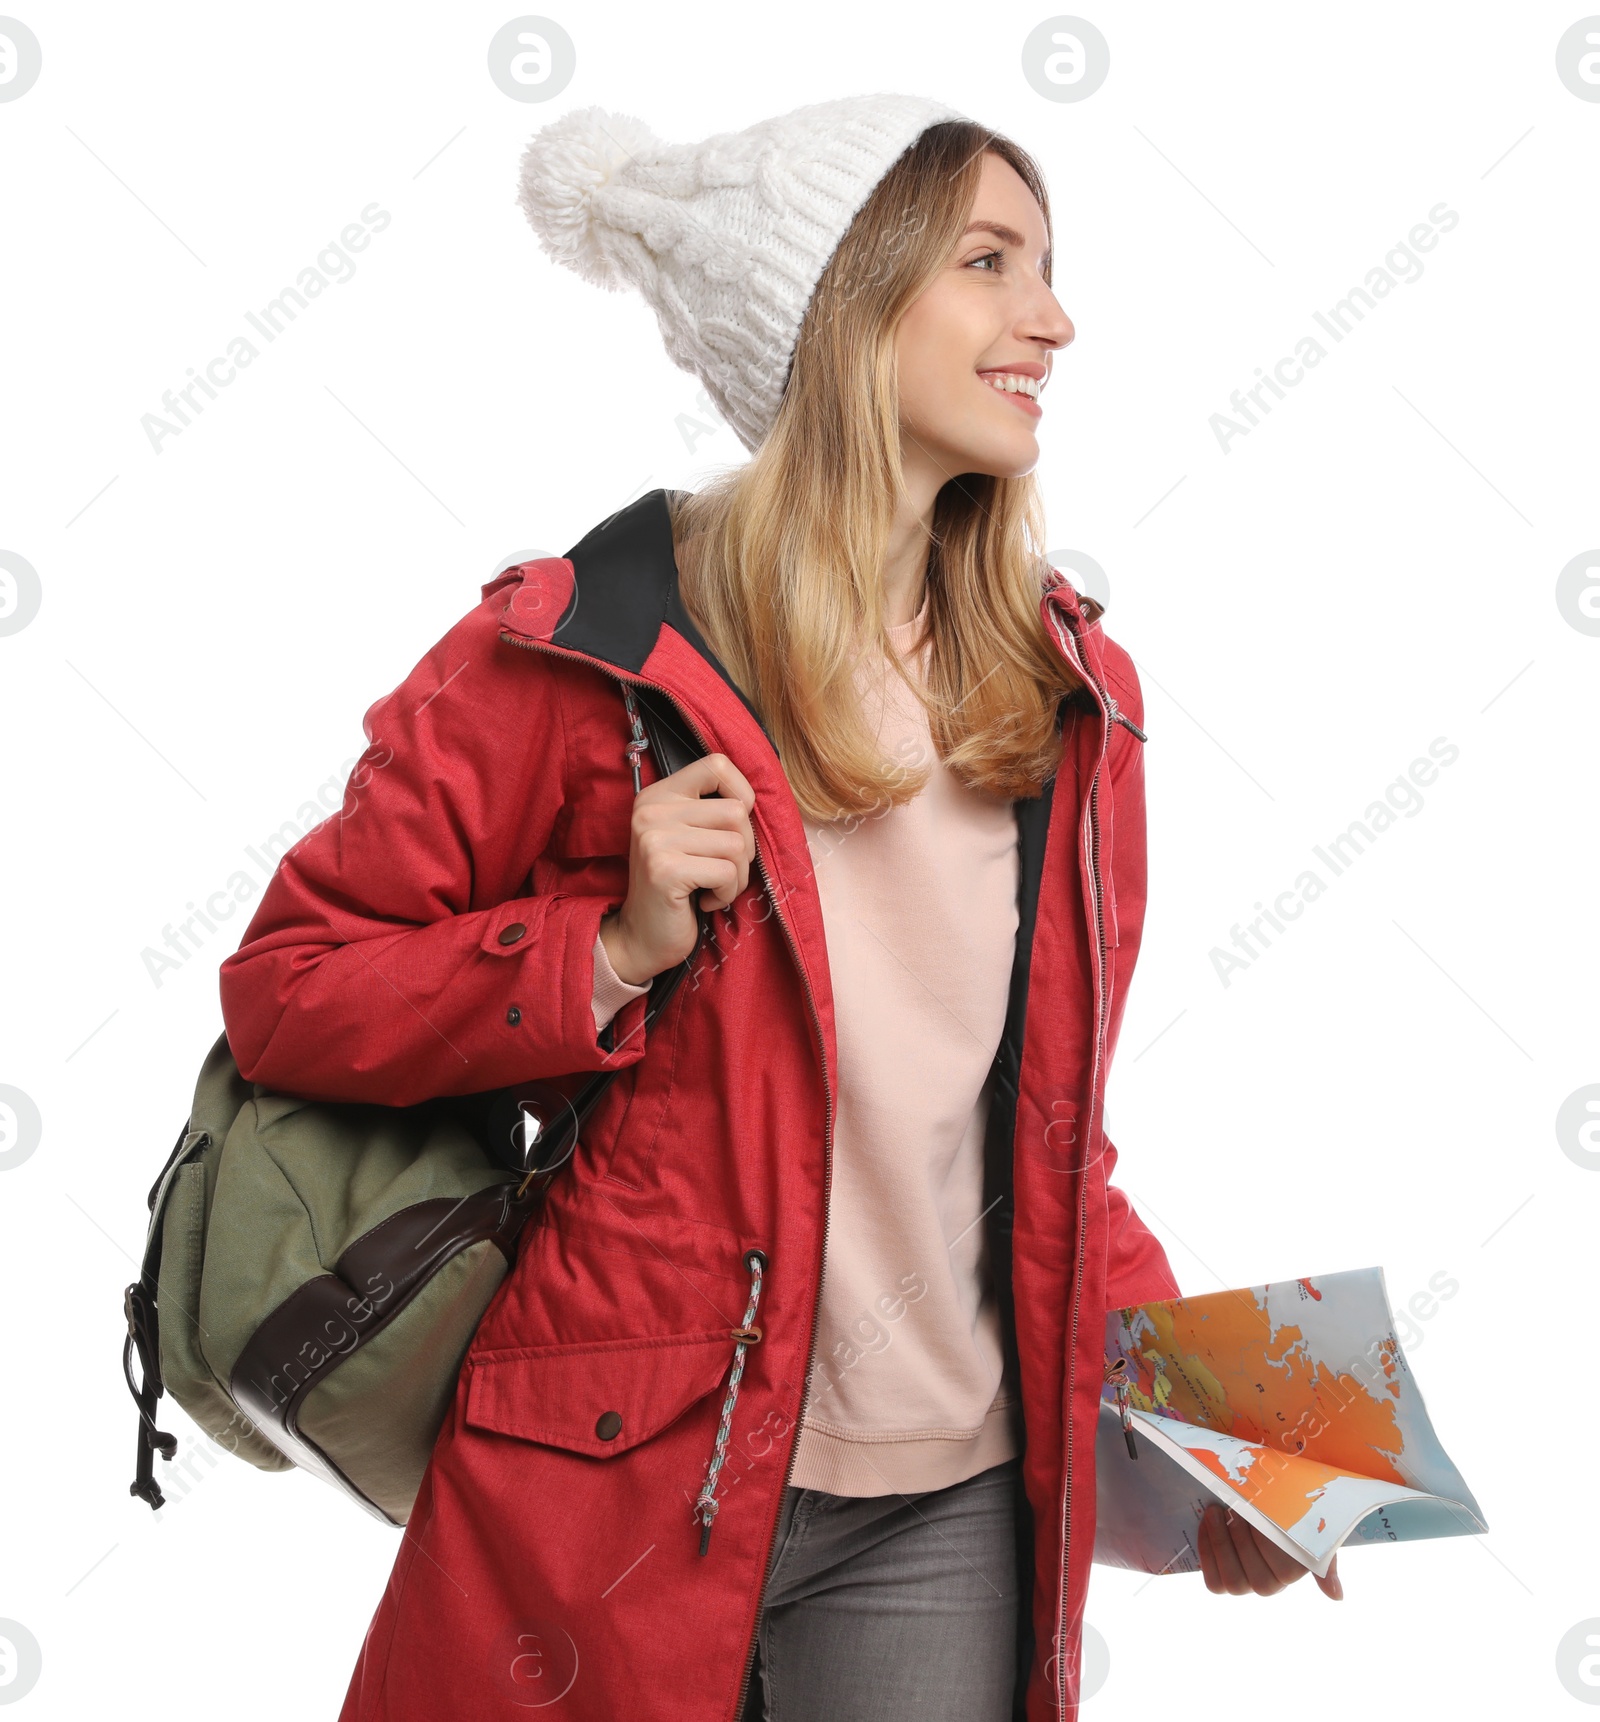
{"x": 811, "y": 1349}
{"x": 827, "y": 1122}
{"x": 1109, "y": 705}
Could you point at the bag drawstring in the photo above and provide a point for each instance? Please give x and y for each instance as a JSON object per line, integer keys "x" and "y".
{"x": 142, "y": 1337}
{"x": 746, "y": 1335}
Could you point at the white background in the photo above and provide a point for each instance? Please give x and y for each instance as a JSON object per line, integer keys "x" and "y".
{"x": 1372, "y": 567}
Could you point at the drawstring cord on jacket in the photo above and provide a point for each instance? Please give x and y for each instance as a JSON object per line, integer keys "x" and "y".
{"x": 746, "y": 1334}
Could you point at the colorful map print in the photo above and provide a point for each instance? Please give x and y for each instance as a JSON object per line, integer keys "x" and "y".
{"x": 1292, "y": 1402}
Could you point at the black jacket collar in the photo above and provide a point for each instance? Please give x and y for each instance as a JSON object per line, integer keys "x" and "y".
{"x": 626, "y": 586}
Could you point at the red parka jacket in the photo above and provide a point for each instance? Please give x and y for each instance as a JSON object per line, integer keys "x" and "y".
{"x": 435, "y": 938}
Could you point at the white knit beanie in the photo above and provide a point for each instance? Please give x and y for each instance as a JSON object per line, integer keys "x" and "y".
{"x": 725, "y": 239}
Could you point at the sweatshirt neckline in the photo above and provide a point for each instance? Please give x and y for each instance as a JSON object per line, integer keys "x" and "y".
{"x": 904, "y": 634}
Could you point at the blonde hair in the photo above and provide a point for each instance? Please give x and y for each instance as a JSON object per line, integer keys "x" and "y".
{"x": 780, "y": 560}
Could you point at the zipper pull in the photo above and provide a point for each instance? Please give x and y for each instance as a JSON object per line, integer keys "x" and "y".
{"x": 1117, "y": 1377}
{"x": 1126, "y": 722}
{"x": 1113, "y": 713}
{"x": 640, "y": 740}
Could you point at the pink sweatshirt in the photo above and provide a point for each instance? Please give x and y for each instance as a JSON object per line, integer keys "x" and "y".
{"x": 919, "y": 907}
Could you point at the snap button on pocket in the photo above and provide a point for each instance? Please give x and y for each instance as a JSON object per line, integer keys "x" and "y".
{"x": 510, "y": 935}
{"x": 513, "y": 1016}
{"x": 609, "y": 1426}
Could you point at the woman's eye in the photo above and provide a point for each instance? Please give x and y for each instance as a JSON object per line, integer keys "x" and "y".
{"x": 997, "y": 256}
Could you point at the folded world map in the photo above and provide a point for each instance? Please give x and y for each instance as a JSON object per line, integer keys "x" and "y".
{"x": 1292, "y": 1403}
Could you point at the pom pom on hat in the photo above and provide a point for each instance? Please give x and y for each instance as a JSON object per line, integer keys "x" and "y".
{"x": 566, "y": 170}
{"x": 724, "y": 239}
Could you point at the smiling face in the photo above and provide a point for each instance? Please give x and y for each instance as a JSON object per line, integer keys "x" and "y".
{"x": 988, "y": 318}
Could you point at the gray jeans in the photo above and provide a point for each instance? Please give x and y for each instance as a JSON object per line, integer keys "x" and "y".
{"x": 886, "y": 1608}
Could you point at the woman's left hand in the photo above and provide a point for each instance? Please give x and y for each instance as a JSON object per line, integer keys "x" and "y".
{"x": 1237, "y": 1560}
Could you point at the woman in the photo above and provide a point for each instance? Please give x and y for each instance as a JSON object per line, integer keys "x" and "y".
{"x": 791, "y": 1395}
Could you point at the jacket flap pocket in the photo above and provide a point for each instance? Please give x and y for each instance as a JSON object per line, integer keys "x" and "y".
{"x": 595, "y": 824}
{"x": 600, "y": 1398}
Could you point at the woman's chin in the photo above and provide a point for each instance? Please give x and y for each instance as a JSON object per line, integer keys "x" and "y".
{"x": 1009, "y": 453}
{"x": 1016, "y": 458}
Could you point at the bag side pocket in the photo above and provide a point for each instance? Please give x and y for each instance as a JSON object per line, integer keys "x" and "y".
{"x": 185, "y": 1373}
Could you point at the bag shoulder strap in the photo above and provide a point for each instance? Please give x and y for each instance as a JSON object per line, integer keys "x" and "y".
{"x": 520, "y": 1138}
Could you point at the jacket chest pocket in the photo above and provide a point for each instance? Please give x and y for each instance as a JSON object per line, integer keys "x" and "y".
{"x": 596, "y": 826}
{"x": 588, "y": 848}
{"x": 1108, "y": 866}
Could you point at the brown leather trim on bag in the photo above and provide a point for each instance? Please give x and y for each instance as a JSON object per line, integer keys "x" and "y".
{"x": 328, "y": 1318}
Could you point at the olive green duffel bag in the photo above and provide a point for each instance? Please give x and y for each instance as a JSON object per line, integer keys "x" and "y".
{"x": 314, "y": 1271}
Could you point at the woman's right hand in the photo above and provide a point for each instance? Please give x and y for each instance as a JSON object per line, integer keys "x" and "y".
{"x": 690, "y": 832}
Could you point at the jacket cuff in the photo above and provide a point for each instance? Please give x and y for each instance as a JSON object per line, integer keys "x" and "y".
{"x": 546, "y": 944}
{"x": 611, "y": 992}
